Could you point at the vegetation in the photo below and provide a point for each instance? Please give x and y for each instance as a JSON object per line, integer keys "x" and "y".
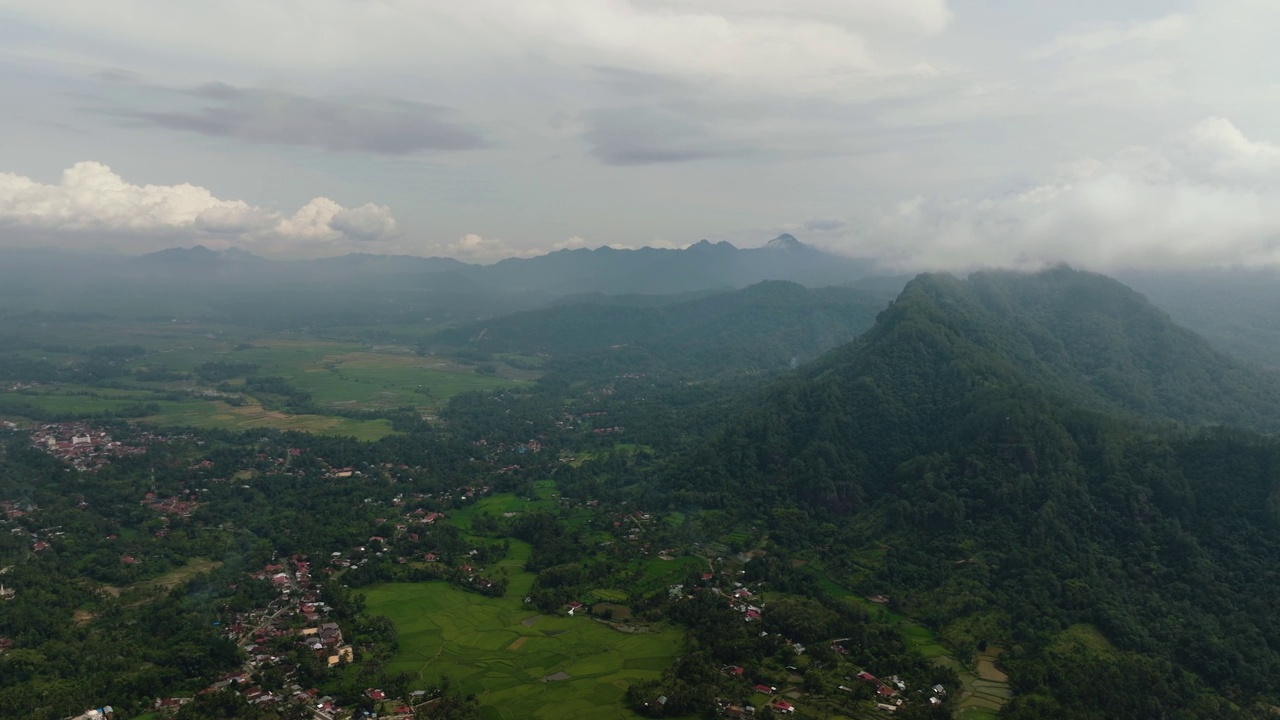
{"x": 1034, "y": 491}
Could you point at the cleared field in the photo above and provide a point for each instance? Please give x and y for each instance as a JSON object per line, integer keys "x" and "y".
{"x": 517, "y": 669}
{"x": 658, "y": 574}
{"x": 217, "y": 414}
{"x": 349, "y": 376}
{"x": 338, "y": 376}
{"x": 178, "y": 576}
{"x": 498, "y": 506}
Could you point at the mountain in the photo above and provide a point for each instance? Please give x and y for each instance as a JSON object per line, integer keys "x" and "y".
{"x": 1032, "y": 462}
{"x": 700, "y": 266}
{"x": 1237, "y": 309}
{"x": 365, "y": 289}
{"x": 768, "y": 326}
{"x": 199, "y": 255}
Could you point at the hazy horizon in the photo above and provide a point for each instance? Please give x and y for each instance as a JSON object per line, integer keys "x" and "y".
{"x": 926, "y": 133}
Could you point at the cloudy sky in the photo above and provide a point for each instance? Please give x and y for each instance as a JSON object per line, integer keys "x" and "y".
{"x": 926, "y": 133}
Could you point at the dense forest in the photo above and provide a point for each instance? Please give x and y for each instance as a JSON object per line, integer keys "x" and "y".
{"x": 1039, "y": 454}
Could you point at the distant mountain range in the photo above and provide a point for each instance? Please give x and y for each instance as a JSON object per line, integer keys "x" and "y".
{"x": 1236, "y": 309}
{"x": 647, "y": 270}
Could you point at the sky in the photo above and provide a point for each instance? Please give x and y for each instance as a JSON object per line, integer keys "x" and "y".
{"x": 926, "y": 134}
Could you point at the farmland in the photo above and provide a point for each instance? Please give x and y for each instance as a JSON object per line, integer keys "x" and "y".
{"x": 342, "y": 380}
{"x": 521, "y": 664}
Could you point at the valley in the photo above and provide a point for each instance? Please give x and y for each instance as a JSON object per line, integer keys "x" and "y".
{"x": 819, "y": 503}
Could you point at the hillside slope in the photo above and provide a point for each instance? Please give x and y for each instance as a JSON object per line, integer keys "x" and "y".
{"x": 1027, "y": 456}
{"x": 768, "y": 326}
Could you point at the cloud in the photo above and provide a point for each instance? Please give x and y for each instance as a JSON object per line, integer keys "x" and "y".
{"x": 1210, "y": 196}
{"x": 477, "y": 249}
{"x": 367, "y": 222}
{"x": 807, "y": 44}
{"x": 340, "y": 124}
{"x": 824, "y": 225}
{"x": 1105, "y": 36}
{"x": 90, "y": 197}
{"x": 642, "y": 135}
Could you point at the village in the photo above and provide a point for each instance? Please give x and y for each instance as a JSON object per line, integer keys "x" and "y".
{"x": 413, "y": 530}
{"x": 87, "y": 448}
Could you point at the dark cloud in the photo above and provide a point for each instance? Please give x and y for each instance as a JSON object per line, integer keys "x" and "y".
{"x": 644, "y": 136}
{"x": 345, "y": 124}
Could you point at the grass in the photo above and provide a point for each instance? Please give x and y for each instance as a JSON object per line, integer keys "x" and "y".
{"x": 348, "y": 376}
{"x": 177, "y": 576}
{"x": 339, "y": 375}
{"x": 485, "y": 647}
{"x": 497, "y": 505}
{"x": 220, "y": 415}
{"x": 659, "y": 574}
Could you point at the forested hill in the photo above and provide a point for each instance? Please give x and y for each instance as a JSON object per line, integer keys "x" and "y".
{"x": 986, "y": 455}
{"x": 1080, "y": 335}
{"x": 768, "y": 326}
{"x": 947, "y": 347}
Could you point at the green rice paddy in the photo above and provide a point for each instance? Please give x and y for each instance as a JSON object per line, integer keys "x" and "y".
{"x": 514, "y": 659}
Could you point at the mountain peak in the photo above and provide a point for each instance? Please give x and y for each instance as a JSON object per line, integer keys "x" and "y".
{"x": 785, "y": 241}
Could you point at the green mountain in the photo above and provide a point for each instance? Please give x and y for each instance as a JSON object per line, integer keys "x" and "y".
{"x": 769, "y": 326}
{"x": 1234, "y": 308}
{"x": 1032, "y": 461}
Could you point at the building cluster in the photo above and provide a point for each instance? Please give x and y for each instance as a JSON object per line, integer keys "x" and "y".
{"x": 174, "y": 505}
{"x": 88, "y": 448}
{"x": 295, "y": 620}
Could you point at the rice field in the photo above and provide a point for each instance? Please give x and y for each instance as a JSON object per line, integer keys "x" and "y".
{"x": 518, "y": 662}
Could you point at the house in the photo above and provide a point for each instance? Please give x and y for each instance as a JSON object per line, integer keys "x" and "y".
{"x": 762, "y": 689}
{"x": 784, "y": 706}
{"x": 375, "y": 695}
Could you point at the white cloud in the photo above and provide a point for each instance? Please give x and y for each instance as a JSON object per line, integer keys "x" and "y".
{"x": 1208, "y": 197}
{"x": 90, "y": 197}
{"x": 367, "y": 222}
{"x": 1097, "y": 38}
{"x": 477, "y": 249}
{"x": 808, "y": 44}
